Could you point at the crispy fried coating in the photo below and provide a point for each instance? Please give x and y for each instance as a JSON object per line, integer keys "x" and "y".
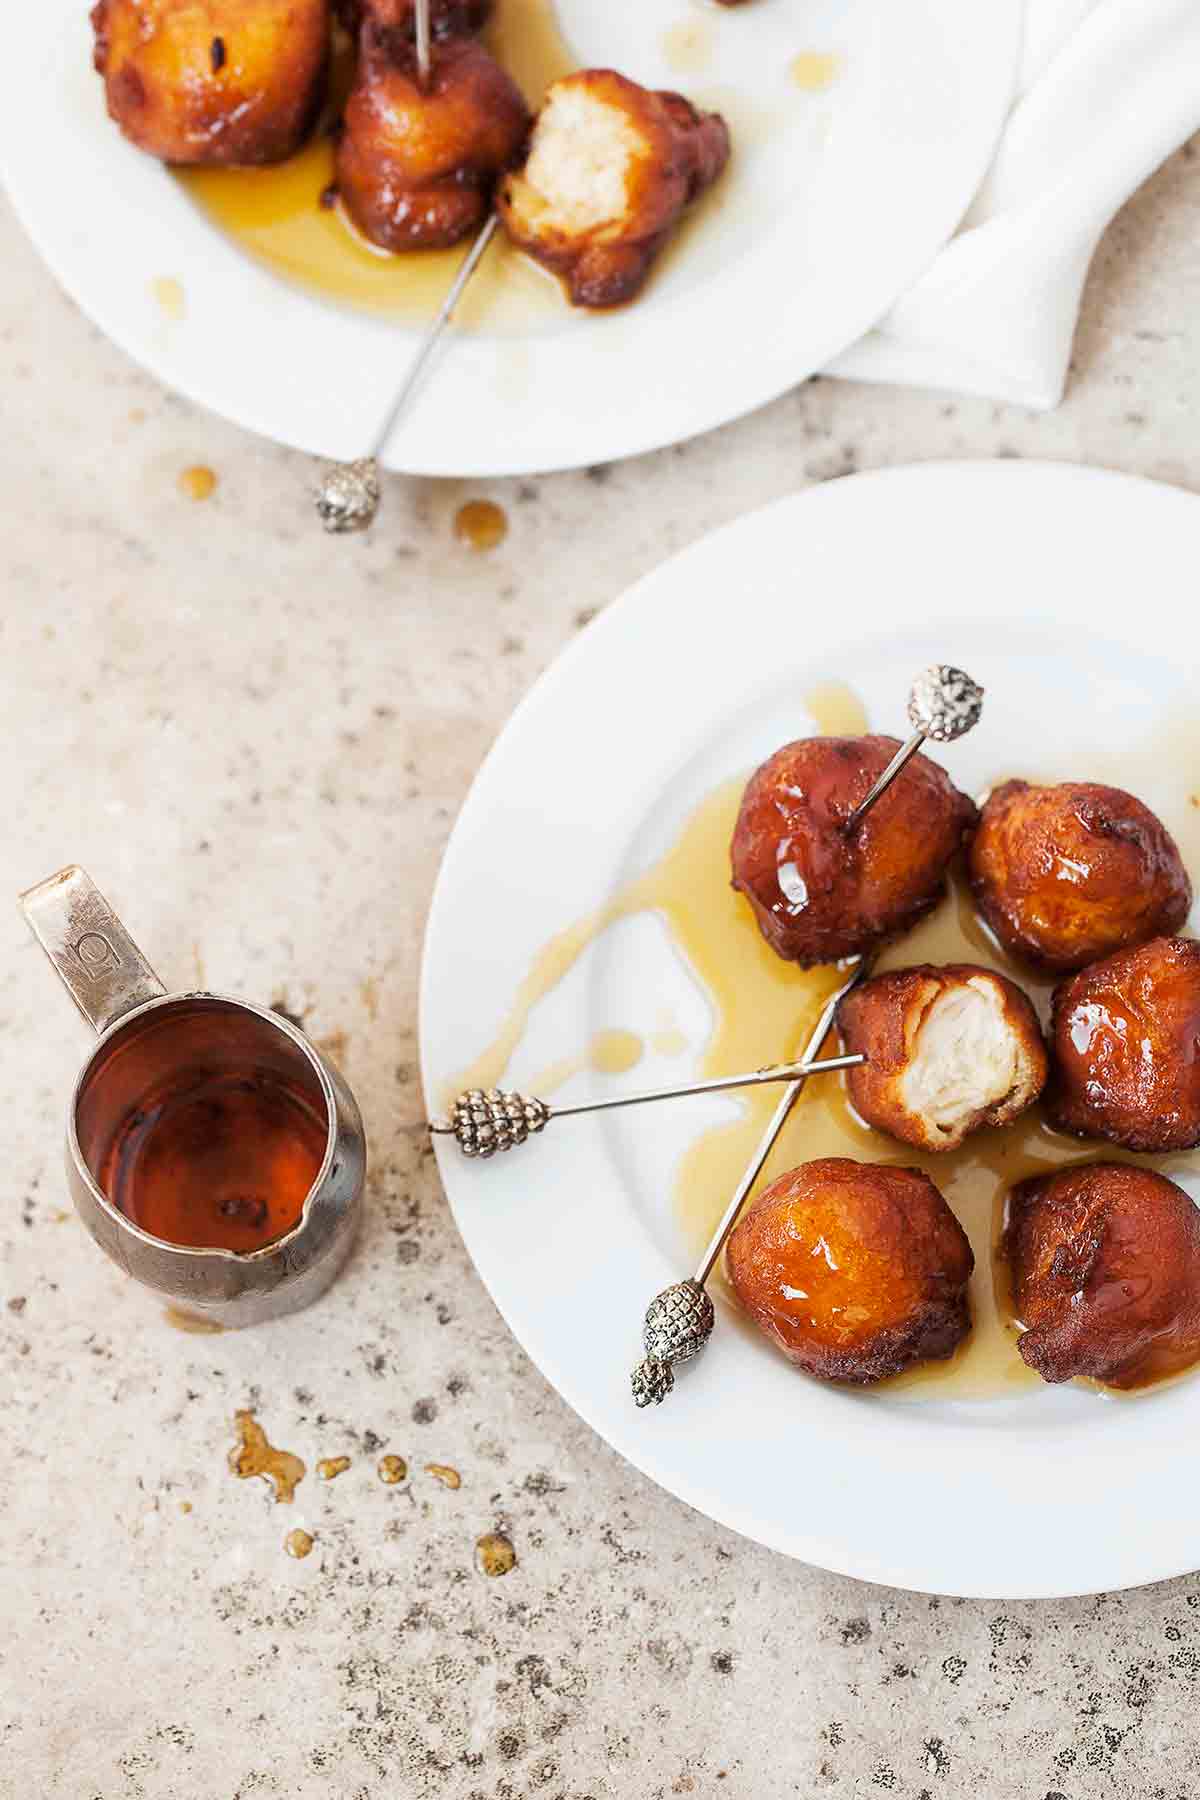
{"x": 610, "y": 170}
{"x": 1104, "y": 1261}
{"x": 1125, "y": 1047}
{"x": 951, "y": 1049}
{"x": 213, "y": 81}
{"x": 416, "y": 167}
{"x": 820, "y": 893}
{"x": 854, "y": 1270}
{"x": 1065, "y": 875}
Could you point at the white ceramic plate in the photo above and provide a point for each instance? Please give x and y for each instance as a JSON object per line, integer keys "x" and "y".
{"x": 1070, "y": 594}
{"x": 825, "y": 220}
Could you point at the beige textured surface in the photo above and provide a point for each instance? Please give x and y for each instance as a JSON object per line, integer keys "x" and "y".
{"x": 256, "y": 739}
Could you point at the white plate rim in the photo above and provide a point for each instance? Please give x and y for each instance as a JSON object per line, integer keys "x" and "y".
{"x": 1124, "y": 1558}
{"x": 292, "y": 368}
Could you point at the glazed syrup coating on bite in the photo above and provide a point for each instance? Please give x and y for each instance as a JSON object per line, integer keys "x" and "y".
{"x": 213, "y": 81}
{"x": 416, "y": 167}
{"x": 951, "y": 1049}
{"x": 1067, "y": 874}
{"x": 1125, "y": 1043}
{"x": 610, "y": 169}
{"x": 820, "y": 893}
{"x": 854, "y": 1270}
{"x": 1104, "y": 1261}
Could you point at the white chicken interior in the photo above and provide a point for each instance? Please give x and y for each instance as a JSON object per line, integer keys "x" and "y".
{"x": 966, "y": 1057}
{"x": 578, "y": 161}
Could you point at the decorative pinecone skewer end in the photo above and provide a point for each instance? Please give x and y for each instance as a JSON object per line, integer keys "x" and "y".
{"x": 944, "y": 703}
{"x": 652, "y": 1382}
{"x": 488, "y": 1121}
{"x": 347, "y": 496}
{"x": 678, "y": 1324}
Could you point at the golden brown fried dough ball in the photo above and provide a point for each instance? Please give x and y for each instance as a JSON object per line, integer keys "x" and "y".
{"x": 854, "y": 1270}
{"x": 1067, "y": 874}
{"x": 820, "y": 893}
{"x": 213, "y": 81}
{"x": 610, "y": 169}
{"x": 416, "y": 166}
{"x": 1105, "y": 1267}
{"x": 1125, "y": 1042}
{"x": 951, "y": 1049}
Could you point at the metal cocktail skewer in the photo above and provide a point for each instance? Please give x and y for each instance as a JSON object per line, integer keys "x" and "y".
{"x": 488, "y": 1121}
{"x": 424, "y": 60}
{"x": 347, "y": 497}
{"x": 943, "y": 704}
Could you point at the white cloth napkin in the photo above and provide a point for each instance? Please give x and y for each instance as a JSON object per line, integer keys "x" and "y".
{"x": 1107, "y": 90}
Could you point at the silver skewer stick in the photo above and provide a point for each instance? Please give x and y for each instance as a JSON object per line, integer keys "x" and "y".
{"x": 944, "y": 703}
{"x": 423, "y": 37}
{"x": 488, "y": 1121}
{"x": 347, "y": 498}
{"x": 680, "y": 1320}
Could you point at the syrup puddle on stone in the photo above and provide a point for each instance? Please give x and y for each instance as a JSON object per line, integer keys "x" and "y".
{"x": 765, "y": 1008}
{"x": 256, "y": 1455}
{"x": 481, "y": 525}
{"x": 191, "y": 1323}
{"x": 496, "y": 1554}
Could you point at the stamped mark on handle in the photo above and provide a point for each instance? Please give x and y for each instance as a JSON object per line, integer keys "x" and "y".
{"x": 98, "y": 962}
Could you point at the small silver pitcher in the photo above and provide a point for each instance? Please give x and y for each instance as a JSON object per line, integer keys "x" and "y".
{"x": 146, "y": 1037}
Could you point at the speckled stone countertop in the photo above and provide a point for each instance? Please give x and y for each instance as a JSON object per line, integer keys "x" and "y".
{"x": 256, "y": 739}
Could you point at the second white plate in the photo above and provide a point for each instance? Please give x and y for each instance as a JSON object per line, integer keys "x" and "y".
{"x": 1069, "y": 594}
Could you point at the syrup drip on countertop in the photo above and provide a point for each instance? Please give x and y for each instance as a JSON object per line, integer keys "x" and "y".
{"x": 481, "y": 525}
{"x": 764, "y": 1009}
{"x": 256, "y": 1455}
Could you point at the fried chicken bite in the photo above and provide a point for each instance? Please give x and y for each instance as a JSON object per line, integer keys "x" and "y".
{"x": 1104, "y": 1261}
{"x": 819, "y": 892}
{"x": 854, "y": 1270}
{"x": 1065, "y": 875}
{"x": 416, "y": 167}
{"x": 213, "y": 81}
{"x": 951, "y": 1049}
{"x": 610, "y": 169}
{"x": 1125, "y": 1043}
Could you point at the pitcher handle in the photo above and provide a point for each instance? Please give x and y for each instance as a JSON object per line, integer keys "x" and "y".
{"x": 98, "y": 962}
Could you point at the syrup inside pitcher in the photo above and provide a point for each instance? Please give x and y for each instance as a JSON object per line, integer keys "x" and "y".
{"x": 205, "y": 1126}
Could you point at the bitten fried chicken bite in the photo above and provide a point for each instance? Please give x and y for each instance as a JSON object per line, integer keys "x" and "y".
{"x": 611, "y": 167}
{"x": 951, "y": 1049}
{"x": 416, "y": 167}
{"x": 1065, "y": 875}
{"x": 1125, "y": 1041}
{"x": 854, "y": 1270}
{"x": 213, "y": 81}
{"x": 1104, "y": 1262}
{"x": 819, "y": 892}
